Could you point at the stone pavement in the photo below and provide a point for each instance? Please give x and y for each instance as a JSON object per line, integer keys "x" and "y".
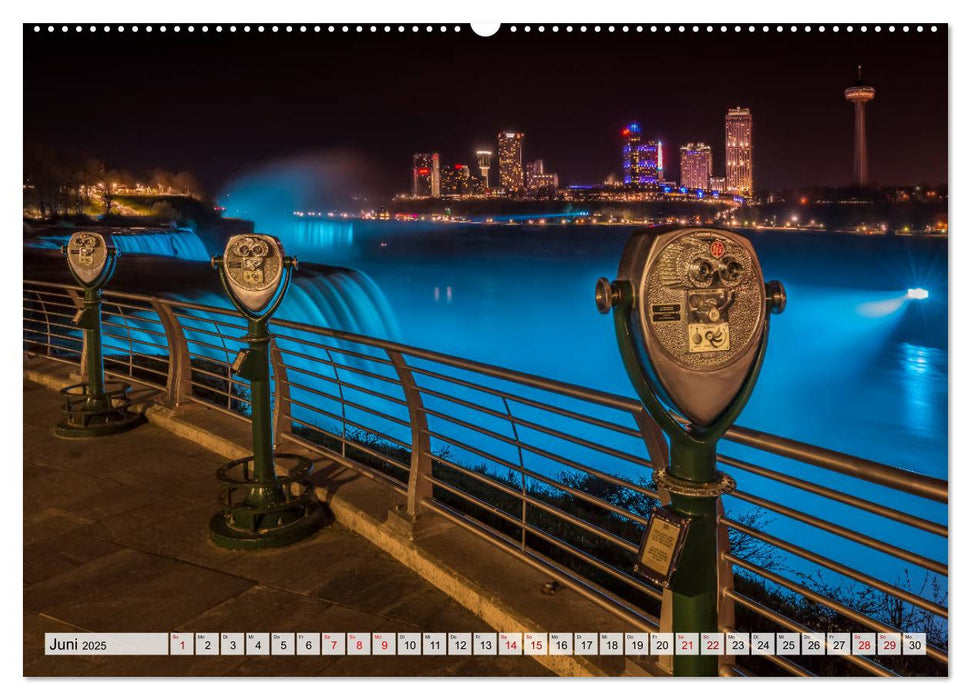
{"x": 115, "y": 540}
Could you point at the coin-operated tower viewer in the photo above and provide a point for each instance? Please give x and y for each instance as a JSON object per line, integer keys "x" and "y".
{"x": 261, "y": 509}
{"x": 691, "y": 315}
{"x": 95, "y": 407}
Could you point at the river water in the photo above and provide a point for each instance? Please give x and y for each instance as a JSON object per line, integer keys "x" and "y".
{"x": 852, "y": 364}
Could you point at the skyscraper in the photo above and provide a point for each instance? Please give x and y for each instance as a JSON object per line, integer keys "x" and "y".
{"x": 738, "y": 152}
{"x": 484, "y": 160}
{"x": 631, "y": 153}
{"x": 425, "y": 181}
{"x": 696, "y": 166}
{"x": 456, "y": 180}
{"x": 511, "y": 161}
{"x": 859, "y": 94}
{"x": 642, "y": 162}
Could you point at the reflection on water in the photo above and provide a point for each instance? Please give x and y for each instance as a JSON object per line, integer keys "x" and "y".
{"x": 924, "y": 384}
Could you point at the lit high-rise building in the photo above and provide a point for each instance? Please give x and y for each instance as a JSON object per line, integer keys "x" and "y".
{"x": 533, "y": 168}
{"x": 630, "y": 151}
{"x": 859, "y": 94}
{"x": 425, "y": 179}
{"x": 511, "y": 161}
{"x": 642, "y": 162}
{"x": 538, "y": 181}
{"x": 484, "y": 160}
{"x": 456, "y": 180}
{"x": 696, "y": 166}
{"x": 738, "y": 151}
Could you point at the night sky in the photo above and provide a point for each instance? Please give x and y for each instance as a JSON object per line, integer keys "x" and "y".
{"x": 221, "y": 104}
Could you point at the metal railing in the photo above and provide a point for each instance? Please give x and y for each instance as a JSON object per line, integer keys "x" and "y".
{"x": 555, "y": 474}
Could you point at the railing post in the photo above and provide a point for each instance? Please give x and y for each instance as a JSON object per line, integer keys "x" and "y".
{"x": 282, "y": 408}
{"x": 178, "y": 385}
{"x": 411, "y": 521}
{"x": 726, "y": 583}
{"x": 421, "y": 464}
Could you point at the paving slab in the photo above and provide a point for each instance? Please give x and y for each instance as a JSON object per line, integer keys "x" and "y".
{"x": 116, "y": 540}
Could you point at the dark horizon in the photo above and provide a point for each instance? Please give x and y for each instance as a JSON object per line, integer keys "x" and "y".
{"x": 220, "y": 105}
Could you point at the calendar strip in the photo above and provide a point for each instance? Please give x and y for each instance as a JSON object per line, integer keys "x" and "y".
{"x": 486, "y": 644}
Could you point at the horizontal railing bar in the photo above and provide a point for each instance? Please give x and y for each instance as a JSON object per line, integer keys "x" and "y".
{"x": 218, "y": 348}
{"x": 119, "y": 305}
{"x": 518, "y": 522}
{"x": 346, "y": 368}
{"x": 55, "y": 358}
{"x": 55, "y": 324}
{"x": 583, "y": 524}
{"x": 51, "y": 288}
{"x": 533, "y": 501}
{"x": 508, "y": 440}
{"x": 589, "y": 590}
{"x": 839, "y": 496}
{"x": 133, "y": 366}
{"x": 839, "y": 568}
{"x": 587, "y": 470}
{"x": 360, "y": 407}
{"x": 566, "y": 413}
{"x": 504, "y": 394}
{"x": 136, "y": 328}
{"x": 484, "y": 505}
{"x": 592, "y": 500}
{"x": 348, "y": 421}
{"x": 892, "y": 477}
{"x": 841, "y": 531}
{"x": 353, "y": 387}
{"x": 478, "y": 476}
{"x": 132, "y": 341}
{"x": 338, "y": 351}
{"x": 206, "y": 387}
{"x": 60, "y": 347}
{"x": 42, "y": 302}
{"x": 583, "y": 495}
{"x": 819, "y": 598}
{"x": 346, "y": 462}
{"x": 621, "y": 576}
{"x": 76, "y": 339}
{"x": 342, "y": 419}
{"x": 874, "y": 472}
{"x": 211, "y": 322}
{"x": 221, "y": 377}
{"x": 540, "y": 428}
{"x": 349, "y": 443}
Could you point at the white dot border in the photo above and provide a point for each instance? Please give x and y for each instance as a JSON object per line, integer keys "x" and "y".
{"x": 686, "y": 29}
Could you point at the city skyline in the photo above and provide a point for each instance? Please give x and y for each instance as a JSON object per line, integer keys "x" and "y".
{"x": 220, "y": 106}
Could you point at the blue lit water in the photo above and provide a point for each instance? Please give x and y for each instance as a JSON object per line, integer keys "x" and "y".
{"x": 852, "y": 365}
{"x": 841, "y": 370}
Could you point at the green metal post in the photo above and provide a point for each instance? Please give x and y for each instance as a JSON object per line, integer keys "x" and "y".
{"x": 265, "y": 490}
{"x": 97, "y": 400}
{"x": 694, "y": 586}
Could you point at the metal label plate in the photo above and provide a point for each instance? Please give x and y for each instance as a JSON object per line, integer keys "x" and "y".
{"x": 661, "y": 546}
{"x": 87, "y": 254}
{"x": 254, "y": 268}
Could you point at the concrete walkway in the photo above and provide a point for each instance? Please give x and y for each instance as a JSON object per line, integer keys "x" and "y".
{"x": 115, "y": 540}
